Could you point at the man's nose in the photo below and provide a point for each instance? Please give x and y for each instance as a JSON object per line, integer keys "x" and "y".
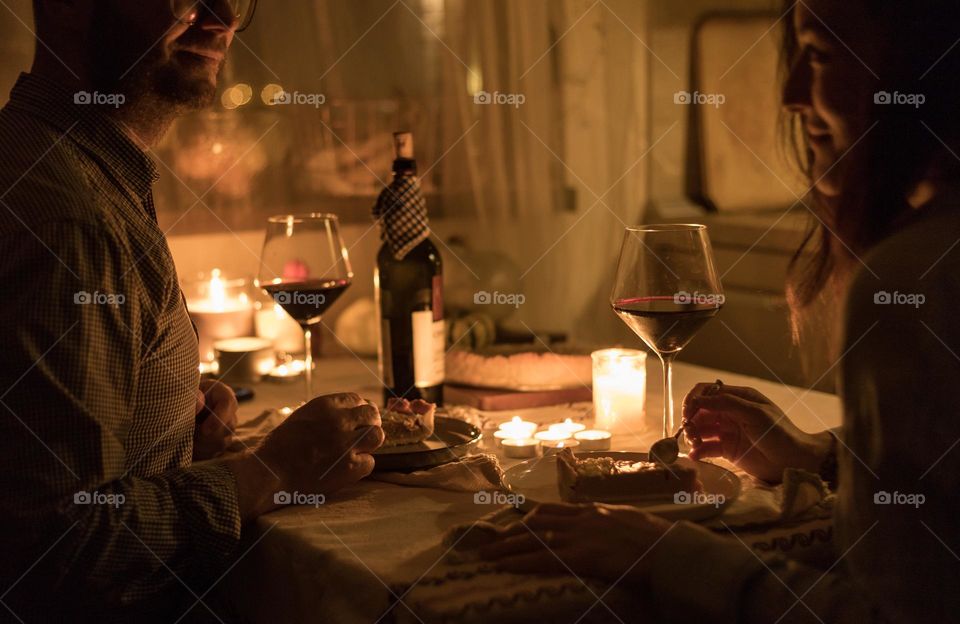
{"x": 218, "y": 15}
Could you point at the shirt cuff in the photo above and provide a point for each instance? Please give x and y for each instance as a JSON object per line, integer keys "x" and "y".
{"x": 696, "y": 575}
{"x": 208, "y": 496}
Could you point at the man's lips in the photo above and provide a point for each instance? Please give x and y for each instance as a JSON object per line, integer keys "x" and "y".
{"x": 213, "y": 55}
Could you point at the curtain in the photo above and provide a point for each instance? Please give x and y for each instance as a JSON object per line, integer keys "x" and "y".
{"x": 552, "y": 181}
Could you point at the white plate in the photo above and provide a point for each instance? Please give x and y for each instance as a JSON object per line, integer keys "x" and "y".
{"x": 536, "y": 480}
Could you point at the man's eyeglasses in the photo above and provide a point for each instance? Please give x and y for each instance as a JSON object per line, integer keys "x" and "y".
{"x": 188, "y": 11}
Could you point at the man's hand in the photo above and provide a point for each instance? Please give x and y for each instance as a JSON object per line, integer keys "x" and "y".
{"x": 320, "y": 448}
{"x": 217, "y": 412}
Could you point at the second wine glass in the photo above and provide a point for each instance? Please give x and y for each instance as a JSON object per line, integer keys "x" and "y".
{"x": 666, "y": 289}
{"x": 305, "y": 268}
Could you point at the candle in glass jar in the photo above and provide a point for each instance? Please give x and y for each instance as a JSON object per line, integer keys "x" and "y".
{"x": 619, "y": 389}
{"x": 274, "y": 324}
{"x": 219, "y": 314}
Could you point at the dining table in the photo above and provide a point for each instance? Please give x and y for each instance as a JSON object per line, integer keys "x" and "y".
{"x": 380, "y": 551}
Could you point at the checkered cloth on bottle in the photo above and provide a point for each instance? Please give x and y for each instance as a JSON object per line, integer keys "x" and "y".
{"x": 402, "y": 211}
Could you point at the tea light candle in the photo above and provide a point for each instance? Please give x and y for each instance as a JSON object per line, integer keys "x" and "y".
{"x": 593, "y": 440}
{"x": 515, "y": 429}
{"x": 552, "y": 435}
{"x": 287, "y": 371}
{"x": 520, "y": 449}
{"x": 619, "y": 389}
{"x": 569, "y": 426}
{"x": 244, "y": 360}
{"x": 552, "y": 446}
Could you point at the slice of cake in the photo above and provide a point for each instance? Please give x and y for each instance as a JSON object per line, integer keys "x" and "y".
{"x": 407, "y": 422}
{"x": 610, "y": 480}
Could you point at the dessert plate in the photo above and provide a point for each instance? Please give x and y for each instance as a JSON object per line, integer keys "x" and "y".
{"x": 536, "y": 480}
{"x": 451, "y": 440}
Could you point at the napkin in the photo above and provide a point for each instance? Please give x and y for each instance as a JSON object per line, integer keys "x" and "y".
{"x": 473, "y": 473}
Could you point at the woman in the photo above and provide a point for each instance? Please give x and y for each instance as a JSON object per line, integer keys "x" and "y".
{"x": 873, "y": 89}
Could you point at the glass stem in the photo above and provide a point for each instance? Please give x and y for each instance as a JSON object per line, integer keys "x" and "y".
{"x": 668, "y": 424}
{"x": 308, "y": 362}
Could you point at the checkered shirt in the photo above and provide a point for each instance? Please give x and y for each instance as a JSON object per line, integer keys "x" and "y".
{"x": 103, "y": 513}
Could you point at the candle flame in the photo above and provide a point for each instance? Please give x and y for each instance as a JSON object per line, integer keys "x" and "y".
{"x": 218, "y": 291}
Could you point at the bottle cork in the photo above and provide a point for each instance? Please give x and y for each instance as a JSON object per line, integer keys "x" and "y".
{"x": 403, "y": 144}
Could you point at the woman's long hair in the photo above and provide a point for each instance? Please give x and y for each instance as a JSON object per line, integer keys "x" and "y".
{"x": 904, "y": 145}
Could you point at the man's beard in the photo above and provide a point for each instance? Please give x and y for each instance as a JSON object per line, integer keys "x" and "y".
{"x": 120, "y": 63}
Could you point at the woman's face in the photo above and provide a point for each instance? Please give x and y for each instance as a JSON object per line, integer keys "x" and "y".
{"x": 831, "y": 84}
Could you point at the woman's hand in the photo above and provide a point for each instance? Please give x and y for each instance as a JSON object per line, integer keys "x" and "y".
{"x": 746, "y": 428}
{"x": 215, "y": 433}
{"x": 601, "y": 541}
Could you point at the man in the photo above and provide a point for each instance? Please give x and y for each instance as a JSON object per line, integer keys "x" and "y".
{"x": 105, "y": 515}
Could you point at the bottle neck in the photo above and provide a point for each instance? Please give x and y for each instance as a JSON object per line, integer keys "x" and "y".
{"x": 403, "y": 167}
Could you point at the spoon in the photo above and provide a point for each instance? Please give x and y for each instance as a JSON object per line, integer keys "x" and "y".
{"x": 667, "y": 450}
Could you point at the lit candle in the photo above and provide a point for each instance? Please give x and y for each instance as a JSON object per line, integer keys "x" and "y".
{"x": 552, "y": 435}
{"x": 619, "y": 389}
{"x": 219, "y": 315}
{"x": 593, "y": 440}
{"x": 287, "y": 371}
{"x": 520, "y": 449}
{"x": 569, "y": 426}
{"x": 552, "y": 446}
{"x": 515, "y": 428}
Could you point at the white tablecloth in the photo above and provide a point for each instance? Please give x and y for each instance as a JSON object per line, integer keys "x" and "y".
{"x": 377, "y": 545}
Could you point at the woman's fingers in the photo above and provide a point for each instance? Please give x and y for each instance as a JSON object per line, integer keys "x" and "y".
{"x": 544, "y": 522}
{"x": 732, "y": 407}
{"x": 709, "y": 448}
{"x": 688, "y": 401}
{"x": 514, "y": 544}
{"x": 559, "y": 509}
{"x": 543, "y": 562}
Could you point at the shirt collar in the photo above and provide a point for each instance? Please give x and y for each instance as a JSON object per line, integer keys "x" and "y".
{"x": 87, "y": 125}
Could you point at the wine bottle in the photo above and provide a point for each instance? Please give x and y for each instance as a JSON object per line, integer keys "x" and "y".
{"x": 408, "y": 286}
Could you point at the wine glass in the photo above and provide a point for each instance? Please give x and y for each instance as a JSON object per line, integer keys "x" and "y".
{"x": 305, "y": 268}
{"x": 666, "y": 289}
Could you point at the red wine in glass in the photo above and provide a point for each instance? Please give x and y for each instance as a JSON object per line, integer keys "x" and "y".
{"x": 662, "y": 322}
{"x": 305, "y": 268}
{"x": 307, "y": 301}
{"x": 665, "y": 290}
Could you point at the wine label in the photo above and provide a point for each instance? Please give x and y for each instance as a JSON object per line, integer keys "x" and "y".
{"x": 429, "y": 341}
